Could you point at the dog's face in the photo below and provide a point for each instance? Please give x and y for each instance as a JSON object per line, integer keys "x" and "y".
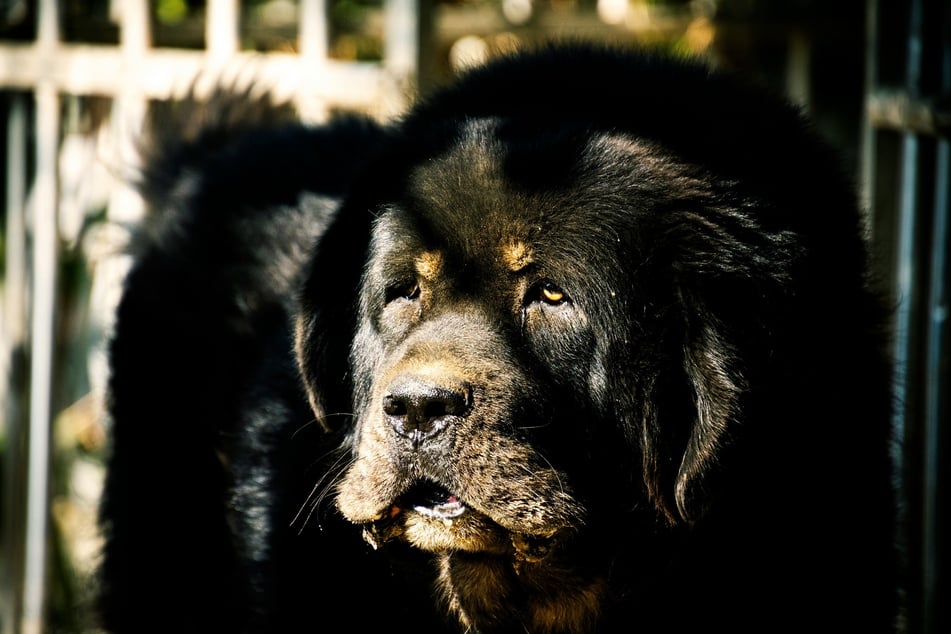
{"x": 477, "y": 351}
{"x": 509, "y": 361}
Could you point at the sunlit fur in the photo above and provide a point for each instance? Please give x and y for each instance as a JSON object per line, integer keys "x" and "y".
{"x": 585, "y": 342}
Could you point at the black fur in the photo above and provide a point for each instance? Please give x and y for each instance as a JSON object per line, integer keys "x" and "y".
{"x": 585, "y": 342}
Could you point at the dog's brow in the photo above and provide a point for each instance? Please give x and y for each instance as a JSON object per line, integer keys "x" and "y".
{"x": 517, "y": 255}
{"x": 429, "y": 264}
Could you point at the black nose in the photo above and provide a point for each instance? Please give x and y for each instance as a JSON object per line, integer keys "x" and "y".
{"x": 419, "y": 409}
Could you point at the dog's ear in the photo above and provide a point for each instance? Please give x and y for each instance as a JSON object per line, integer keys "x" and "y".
{"x": 716, "y": 379}
{"x": 327, "y": 315}
{"x": 692, "y": 406}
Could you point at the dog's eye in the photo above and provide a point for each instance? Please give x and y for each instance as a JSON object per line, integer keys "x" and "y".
{"x": 548, "y": 293}
{"x": 403, "y": 290}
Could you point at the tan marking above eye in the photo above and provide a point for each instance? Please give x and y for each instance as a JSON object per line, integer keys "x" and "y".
{"x": 429, "y": 265}
{"x": 517, "y": 255}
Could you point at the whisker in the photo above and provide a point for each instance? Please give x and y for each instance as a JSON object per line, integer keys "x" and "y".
{"x": 318, "y": 502}
{"x": 325, "y": 491}
{"x": 561, "y": 485}
{"x": 322, "y": 478}
{"x": 322, "y": 486}
{"x": 539, "y": 426}
{"x": 318, "y": 421}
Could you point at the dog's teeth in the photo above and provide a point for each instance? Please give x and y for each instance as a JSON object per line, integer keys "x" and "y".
{"x": 444, "y": 512}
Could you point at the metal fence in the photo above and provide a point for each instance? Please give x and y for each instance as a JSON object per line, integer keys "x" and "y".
{"x": 907, "y": 172}
{"x": 38, "y": 77}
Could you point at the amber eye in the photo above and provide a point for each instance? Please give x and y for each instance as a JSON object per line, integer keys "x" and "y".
{"x": 551, "y": 294}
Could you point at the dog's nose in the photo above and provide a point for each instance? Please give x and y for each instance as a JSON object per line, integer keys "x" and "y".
{"x": 419, "y": 409}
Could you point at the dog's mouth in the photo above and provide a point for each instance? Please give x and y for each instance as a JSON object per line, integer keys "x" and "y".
{"x": 431, "y": 517}
{"x": 433, "y": 501}
{"x": 426, "y": 507}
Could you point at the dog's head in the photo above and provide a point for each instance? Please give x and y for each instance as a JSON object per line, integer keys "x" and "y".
{"x": 511, "y": 334}
{"x": 557, "y": 317}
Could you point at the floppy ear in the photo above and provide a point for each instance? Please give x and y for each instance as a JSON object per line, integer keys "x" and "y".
{"x": 691, "y": 406}
{"x": 327, "y": 316}
{"x": 715, "y": 375}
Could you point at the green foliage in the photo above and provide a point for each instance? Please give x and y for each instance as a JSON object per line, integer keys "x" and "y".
{"x": 171, "y": 11}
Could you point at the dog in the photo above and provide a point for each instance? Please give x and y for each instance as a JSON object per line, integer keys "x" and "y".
{"x": 586, "y": 341}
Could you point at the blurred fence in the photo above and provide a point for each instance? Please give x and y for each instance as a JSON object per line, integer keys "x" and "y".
{"x": 907, "y": 175}
{"x": 46, "y": 167}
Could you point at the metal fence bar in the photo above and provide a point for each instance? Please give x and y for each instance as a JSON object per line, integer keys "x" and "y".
{"x": 44, "y": 206}
{"x": 41, "y": 357}
{"x": 313, "y": 45}
{"x": 907, "y": 227}
{"x": 165, "y": 73}
{"x": 313, "y": 40}
{"x": 935, "y": 399}
{"x": 80, "y": 69}
{"x": 916, "y": 108}
{"x": 402, "y": 45}
{"x": 906, "y": 269}
{"x": 936, "y": 373}
{"x": 134, "y": 36}
{"x": 400, "y": 39}
{"x": 129, "y": 105}
{"x": 221, "y": 30}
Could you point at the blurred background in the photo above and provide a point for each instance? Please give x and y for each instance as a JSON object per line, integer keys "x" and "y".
{"x": 78, "y": 76}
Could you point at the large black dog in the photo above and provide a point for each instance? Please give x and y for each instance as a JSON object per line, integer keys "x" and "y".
{"x": 585, "y": 342}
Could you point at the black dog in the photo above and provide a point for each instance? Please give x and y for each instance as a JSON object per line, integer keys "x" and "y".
{"x": 585, "y": 342}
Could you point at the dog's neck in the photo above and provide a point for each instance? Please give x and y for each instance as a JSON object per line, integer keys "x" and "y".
{"x": 502, "y": 593}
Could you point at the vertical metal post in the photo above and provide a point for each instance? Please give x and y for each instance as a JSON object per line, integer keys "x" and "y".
{"x": 798, "y": 71}
{"x": 221, "y": 30}
{"x": 313, "y": 42}
{"x": 129, "y": 108}
{"x": 935, "y": 398}
{"x": 44, "y": 206}
{"x": 134, "y": 35}
{"x": 403, "y": 35}
{"x": 313, "y": 37}
{"x": 41, "y": 357}
{"x": 905, "y": 286}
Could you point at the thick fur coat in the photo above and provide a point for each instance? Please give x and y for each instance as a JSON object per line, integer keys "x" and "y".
{"x": 584, "y": 342}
